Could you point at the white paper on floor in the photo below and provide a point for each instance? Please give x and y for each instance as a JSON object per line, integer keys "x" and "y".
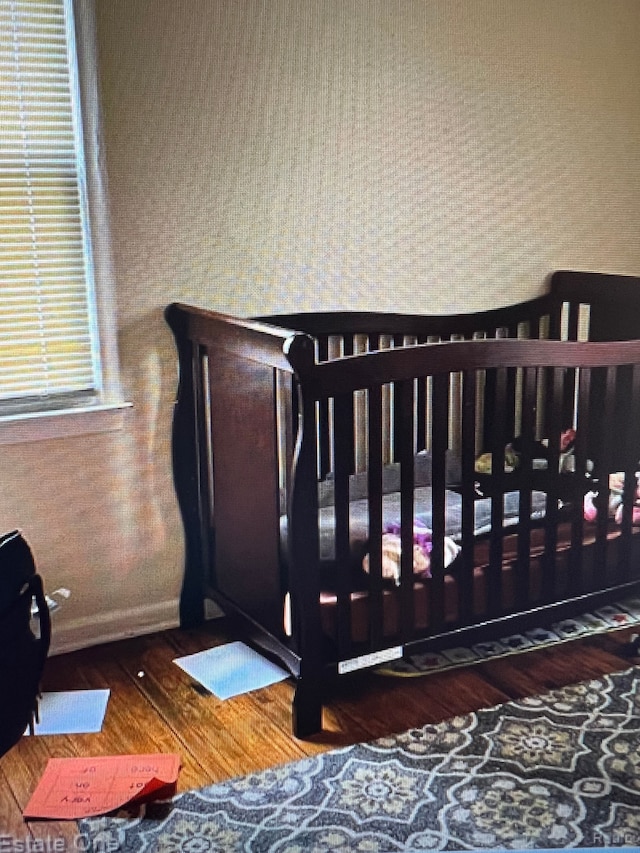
{"x": 231, "y": 669}
{"x": 71, "y": 712}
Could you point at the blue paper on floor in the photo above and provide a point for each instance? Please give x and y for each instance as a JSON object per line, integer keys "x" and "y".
{"x": 71, "y": 712}
{"x": 231, "y": 669}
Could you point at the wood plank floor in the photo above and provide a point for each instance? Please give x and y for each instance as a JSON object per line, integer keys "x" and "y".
{"x": 154, "y": 706}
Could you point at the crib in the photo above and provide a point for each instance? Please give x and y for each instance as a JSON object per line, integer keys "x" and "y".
{"x": 357, "y": 487}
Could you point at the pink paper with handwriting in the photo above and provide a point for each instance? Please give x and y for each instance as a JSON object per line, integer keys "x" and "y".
{"x": 72, "y": 788}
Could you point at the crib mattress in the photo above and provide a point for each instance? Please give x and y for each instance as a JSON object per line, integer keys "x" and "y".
{"x": 359, "y": 522}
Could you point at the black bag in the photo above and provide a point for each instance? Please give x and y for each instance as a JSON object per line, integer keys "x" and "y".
{"x": 22, "y": 653}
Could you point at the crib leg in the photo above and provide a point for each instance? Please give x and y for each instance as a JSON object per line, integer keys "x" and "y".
{"x": 306, "y": 710}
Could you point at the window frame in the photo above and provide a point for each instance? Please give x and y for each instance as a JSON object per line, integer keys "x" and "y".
{"x": 104, "y": 410}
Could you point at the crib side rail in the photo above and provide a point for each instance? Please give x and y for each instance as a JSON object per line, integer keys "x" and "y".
{"x": 367, "y": 370}
{"x": 559, "y": 363}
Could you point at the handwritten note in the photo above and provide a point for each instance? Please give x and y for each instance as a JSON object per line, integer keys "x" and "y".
{"x": 72, "y": 788}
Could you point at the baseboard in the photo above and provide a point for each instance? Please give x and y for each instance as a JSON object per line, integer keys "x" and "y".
{"x": 74, "y": 634}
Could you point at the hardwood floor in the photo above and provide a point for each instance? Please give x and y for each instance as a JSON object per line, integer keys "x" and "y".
{"x": 154, "y": 707}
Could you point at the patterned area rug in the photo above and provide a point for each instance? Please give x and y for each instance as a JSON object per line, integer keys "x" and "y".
{"x": 612, "y": 617}
{"x": 557, "y": 770}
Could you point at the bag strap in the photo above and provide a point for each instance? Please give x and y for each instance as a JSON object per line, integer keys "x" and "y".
{"x": 17, "y": 568}
{"x": 44, "y": 617}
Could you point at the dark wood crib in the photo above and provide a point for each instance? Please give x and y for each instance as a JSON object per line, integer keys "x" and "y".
{"x": 311, "y": 452}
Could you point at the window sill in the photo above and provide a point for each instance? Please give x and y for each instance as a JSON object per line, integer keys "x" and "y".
{"x": 62, "y": 423}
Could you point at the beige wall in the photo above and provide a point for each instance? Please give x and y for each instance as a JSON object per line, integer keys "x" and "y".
{"x": 419, "y": 155}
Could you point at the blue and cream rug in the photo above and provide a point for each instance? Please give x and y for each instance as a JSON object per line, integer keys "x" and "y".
{"x": 611, "y": 617}
{"x": 555, "y": 771}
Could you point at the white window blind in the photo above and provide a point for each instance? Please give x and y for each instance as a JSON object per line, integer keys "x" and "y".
{"x": 49, "y": 350}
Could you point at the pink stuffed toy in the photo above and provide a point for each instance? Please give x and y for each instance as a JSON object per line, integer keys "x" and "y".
{"x": 616, "y": 510}
{"x": 590, "y": 510}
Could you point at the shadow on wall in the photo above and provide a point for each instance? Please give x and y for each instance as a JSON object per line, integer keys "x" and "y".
{"x": 149, "y": 378}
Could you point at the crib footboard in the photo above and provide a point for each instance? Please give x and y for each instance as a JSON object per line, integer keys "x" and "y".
{"x": 225, "y": 459}
{"x": 233, "y": 448}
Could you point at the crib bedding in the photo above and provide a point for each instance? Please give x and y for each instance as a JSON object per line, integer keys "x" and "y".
{"x": 359, "y": 521}
{"x": 391, "y": 500}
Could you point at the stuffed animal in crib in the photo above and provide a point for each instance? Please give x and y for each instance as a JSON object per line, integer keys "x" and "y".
{"x": 513, "y": 452}
{"x": 615, "y": 505}
{"x": 422, "y": 548}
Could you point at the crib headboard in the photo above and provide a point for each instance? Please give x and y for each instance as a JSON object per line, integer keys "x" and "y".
{"x": 611, "y": 304}
{"x": 613, "y": 301}
{"x": 577, "y": 306}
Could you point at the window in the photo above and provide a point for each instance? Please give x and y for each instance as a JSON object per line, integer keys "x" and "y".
{"x": 52, "y": 354}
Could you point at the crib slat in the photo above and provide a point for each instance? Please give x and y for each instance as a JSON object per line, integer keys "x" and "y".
{"x": 404, "y": 446}
{"x": 324, "y": 431}
{"x": 632, "y": 453}
{"x": 573, "y": 321}
{"x": 469, "y": 425}
{"x": 573, "y": 328}
{"x": 549, "y": 574}
{"x": 343, "y": 445}
{"x": 440, "y": 441}
{"x": 348, "y": 349}
{"x": 489, "y": 397}
{"x": 551, "y": 329}
{"x": 498, "y": 380}
{"x": 577, "y": 568}
{"x": 527, "y": 436}
{"x": 421, "y": 414}
{"x": 374, "y": 483}
{"x": 625, "y": 461}
{"x": 604, "y": 461}
{"x": 555, "y": 321}
{"x": 510, "y": 412}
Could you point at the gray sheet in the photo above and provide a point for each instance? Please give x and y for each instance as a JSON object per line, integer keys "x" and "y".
{"x": 359, "y": 518}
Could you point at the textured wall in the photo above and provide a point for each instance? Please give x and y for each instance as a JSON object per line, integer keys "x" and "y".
{"x": 420, "y": 155}
{"x": 439, "y": 154}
